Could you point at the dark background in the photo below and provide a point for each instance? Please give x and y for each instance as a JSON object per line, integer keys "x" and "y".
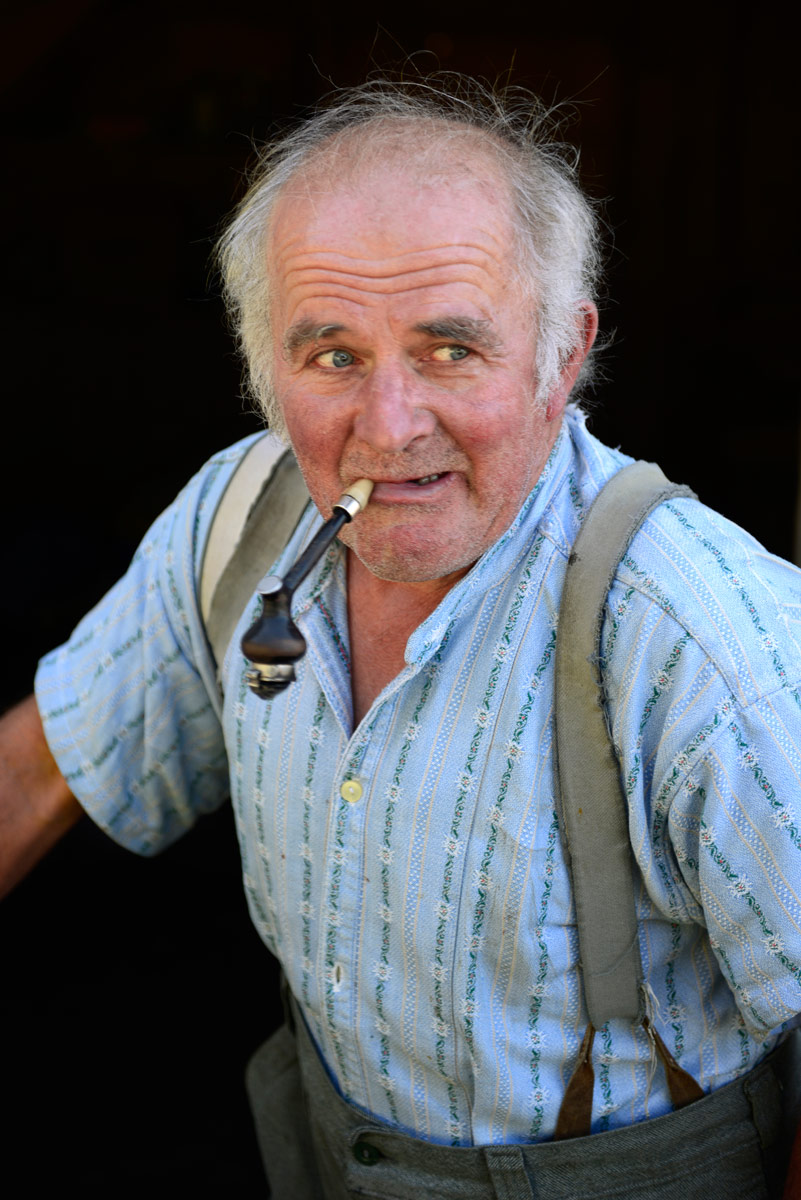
{"x": 133, "y": 991}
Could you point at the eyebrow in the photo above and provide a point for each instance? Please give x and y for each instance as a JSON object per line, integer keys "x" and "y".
{"x": 475, "y": 331}
{"x": 302, "y": 333}
{"x": 456, "y": 328}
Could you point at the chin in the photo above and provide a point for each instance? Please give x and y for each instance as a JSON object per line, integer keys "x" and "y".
{"x": 422, "y": 565}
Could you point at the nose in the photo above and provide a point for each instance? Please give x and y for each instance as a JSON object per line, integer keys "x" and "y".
{"x": 392, "y": 410}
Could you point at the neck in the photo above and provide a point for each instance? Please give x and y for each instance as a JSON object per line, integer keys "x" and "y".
{"x": 382, "y": 615}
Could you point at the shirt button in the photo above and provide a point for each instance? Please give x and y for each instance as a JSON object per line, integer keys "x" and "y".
{"x": 351, "y": 791}
{"x": 366, "y": 1154}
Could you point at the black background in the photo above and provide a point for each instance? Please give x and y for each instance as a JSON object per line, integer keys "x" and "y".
{"x": 133, "y": 991}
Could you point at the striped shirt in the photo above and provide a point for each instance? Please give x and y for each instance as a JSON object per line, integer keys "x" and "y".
{"x": 409, "y": 873}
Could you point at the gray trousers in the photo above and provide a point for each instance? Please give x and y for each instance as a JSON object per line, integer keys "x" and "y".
{"x": 317, "y": 1146}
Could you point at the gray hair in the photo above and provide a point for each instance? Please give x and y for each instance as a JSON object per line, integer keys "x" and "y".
{"x": 555, "y": 227}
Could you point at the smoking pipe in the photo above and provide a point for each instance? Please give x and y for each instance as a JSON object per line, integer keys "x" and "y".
{"x": 273, "y": 644}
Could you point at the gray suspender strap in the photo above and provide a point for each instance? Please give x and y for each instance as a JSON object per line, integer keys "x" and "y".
{"x": 593, "y": 804}
{"x": 255, "y": 519}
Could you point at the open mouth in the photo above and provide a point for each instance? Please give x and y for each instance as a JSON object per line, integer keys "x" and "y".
{"x": 423, "y": 488}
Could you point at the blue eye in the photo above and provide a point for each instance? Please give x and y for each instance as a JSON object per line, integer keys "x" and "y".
{"x": 450, "y": 353}
{"x": 335, "y": 358}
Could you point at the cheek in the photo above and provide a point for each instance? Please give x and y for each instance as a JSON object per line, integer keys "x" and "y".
{"x": 306, "y": 419}
{"x": 317, "y": 446}
{"x": 508, "y": 447}
{"x": 500, "y": 426}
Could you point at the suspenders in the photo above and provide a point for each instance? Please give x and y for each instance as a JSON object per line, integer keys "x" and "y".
{"x": 593, "y": 807}
{"x": 257, "y": 515}
{"x": 594, "y": 814}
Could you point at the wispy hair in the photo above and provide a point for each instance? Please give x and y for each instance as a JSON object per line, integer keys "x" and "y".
{"x": 557, "y": 244}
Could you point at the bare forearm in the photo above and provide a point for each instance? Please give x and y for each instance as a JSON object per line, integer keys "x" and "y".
{"x": 36, "y": 806}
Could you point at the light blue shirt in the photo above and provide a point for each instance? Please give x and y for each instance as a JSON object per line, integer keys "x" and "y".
{"x": 409, "y": 873}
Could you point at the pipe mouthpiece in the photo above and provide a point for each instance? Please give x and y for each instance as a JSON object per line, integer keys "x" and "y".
{"x": 355, "y": 498}
{"x": 361, "y": 491}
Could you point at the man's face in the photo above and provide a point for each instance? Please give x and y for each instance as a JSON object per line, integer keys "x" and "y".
{"x": 404, "y": 354}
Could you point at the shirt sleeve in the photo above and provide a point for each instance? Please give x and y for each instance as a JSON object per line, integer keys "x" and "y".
{"x": 702, "y": 650}
{"x": 736, "y": 830}
{"x": 130, "y": 704}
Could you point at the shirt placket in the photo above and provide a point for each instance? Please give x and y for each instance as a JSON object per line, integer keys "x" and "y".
{"x": 343, "y": 959}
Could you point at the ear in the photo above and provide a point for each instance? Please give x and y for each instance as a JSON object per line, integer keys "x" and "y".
{"x": 586, "y": 330}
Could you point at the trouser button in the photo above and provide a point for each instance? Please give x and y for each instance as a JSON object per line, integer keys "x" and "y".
{"x": 366, "y": 1154}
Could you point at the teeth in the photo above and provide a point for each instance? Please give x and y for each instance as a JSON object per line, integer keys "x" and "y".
{"x": 426, "y": 479}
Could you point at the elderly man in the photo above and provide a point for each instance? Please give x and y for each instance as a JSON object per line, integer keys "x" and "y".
{"x": 412, "y": 275}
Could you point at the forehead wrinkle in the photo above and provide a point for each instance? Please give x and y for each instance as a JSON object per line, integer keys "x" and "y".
{"x": 341, "y": 283}
{"x": 460, "y": 254}
{"x": 397, "y": 280}
{"x": 308, "y": 294}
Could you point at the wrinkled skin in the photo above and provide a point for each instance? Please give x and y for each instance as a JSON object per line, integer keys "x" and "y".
{"x": 404, "y": 354}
